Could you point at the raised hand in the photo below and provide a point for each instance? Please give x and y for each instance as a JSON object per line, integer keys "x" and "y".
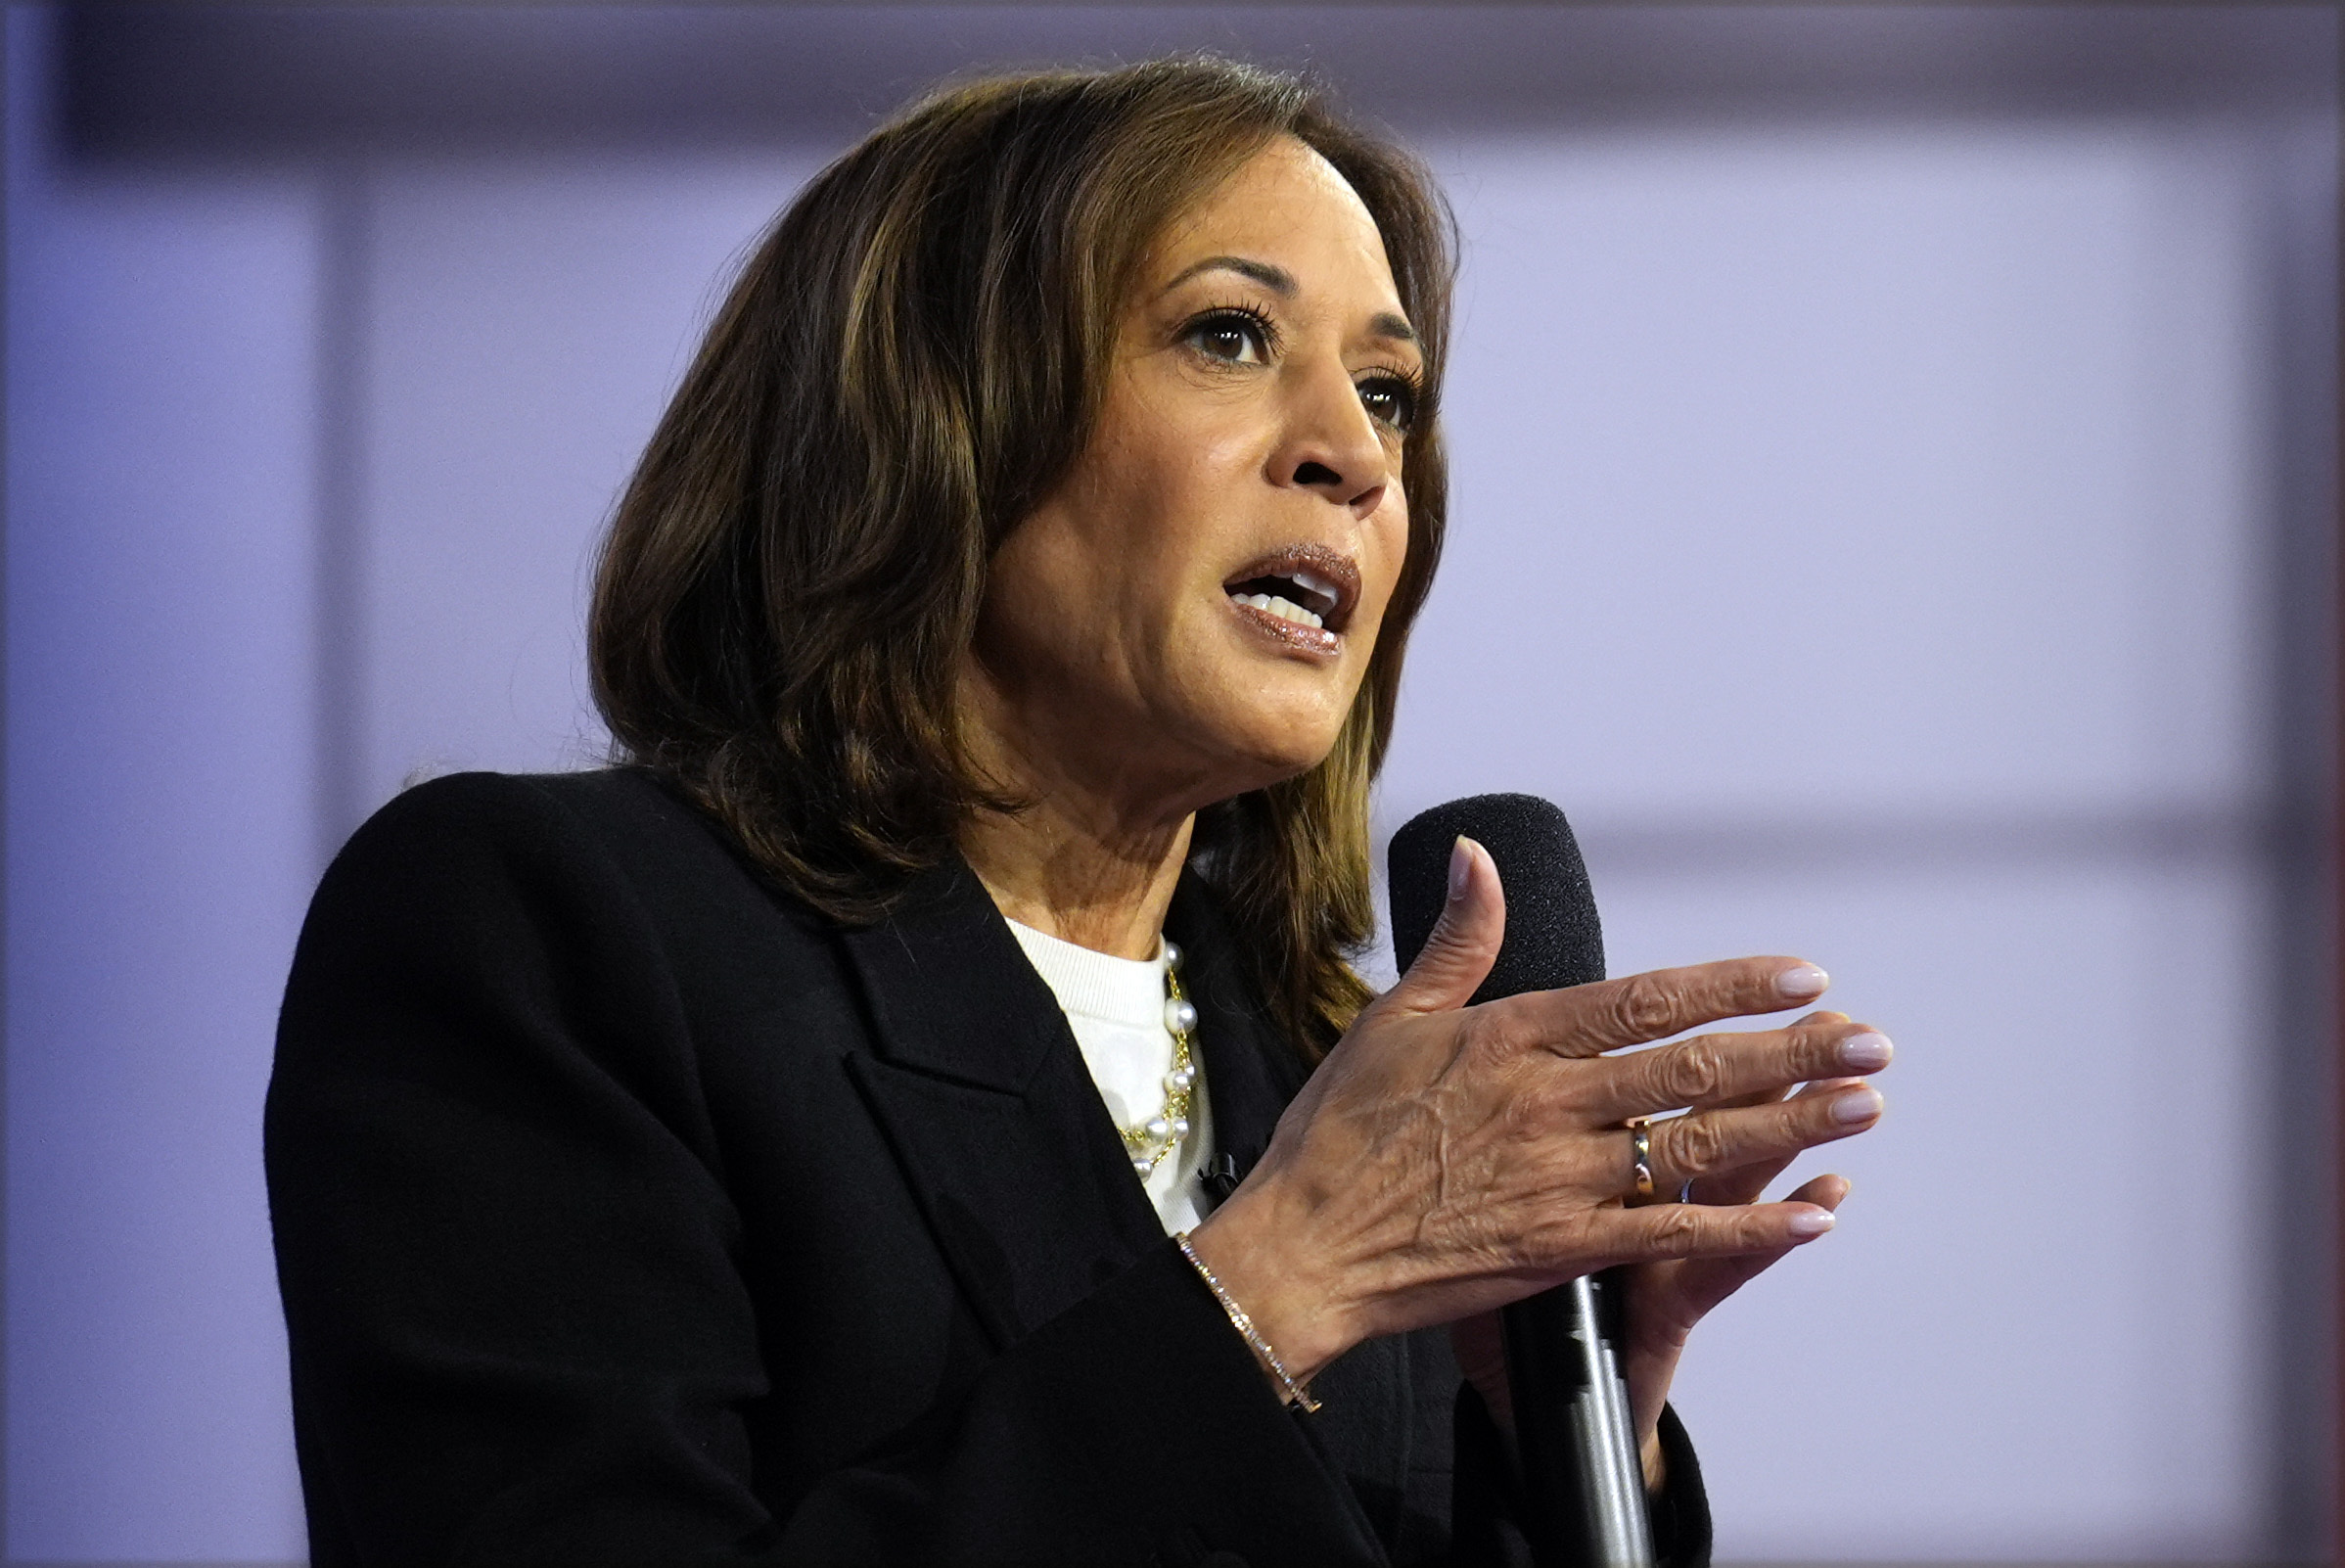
{"x": 1445, "y": 1160}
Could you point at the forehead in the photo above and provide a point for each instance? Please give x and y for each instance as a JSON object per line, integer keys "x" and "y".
{"x": 1286, "y": 205}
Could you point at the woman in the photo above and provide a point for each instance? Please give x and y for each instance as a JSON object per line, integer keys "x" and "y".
{"x": 767, "y": 1151}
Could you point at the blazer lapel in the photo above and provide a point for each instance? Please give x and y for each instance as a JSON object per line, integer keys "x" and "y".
{"x": 1366, "y": 1426}
{"x": 985, "y": 1098}
{"x": 1250, "y": 1074}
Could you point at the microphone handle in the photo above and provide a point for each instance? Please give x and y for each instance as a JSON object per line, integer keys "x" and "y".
{"x": 1582, "y": 1479}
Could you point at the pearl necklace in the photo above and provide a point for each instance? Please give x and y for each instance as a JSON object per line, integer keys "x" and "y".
{"x": 1151, "y": 1141}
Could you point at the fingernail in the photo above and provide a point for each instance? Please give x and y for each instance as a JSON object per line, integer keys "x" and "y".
{"x": 1802, "y": 982}
{"x": 1857, "y": 1105}
{"x": 1811, "y": 1223}
{"x": 1461, "y": 866}
{"x": 1867, "y": 1052}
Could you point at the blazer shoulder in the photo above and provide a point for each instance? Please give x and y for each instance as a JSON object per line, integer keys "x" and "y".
{"x": 567, "y": 807}
{"x": 466, "y": 851}
{"x": 612, "y": 855}
{"x": 529, "y": 910}
{"x": 621, "y": 819}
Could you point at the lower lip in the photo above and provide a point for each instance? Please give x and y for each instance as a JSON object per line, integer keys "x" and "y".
{"x": 1292, "y": 634}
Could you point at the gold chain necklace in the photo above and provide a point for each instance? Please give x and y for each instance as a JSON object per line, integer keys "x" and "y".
{"x": 1149, "y": 1142}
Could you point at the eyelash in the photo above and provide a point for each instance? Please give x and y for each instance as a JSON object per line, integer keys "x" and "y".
{"x": 1408, "y": 385}
{"x": 1266, "y": 330}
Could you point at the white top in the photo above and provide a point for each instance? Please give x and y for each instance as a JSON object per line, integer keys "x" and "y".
{"x": 1115, "y": 1007}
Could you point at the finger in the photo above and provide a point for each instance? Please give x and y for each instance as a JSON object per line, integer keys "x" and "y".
{"x": 1611, "y": 1015}
{"x": 1827, "y": 1191}
{"x": 1773, "y": 1091}
{"x": 1668, "y": 1231}
{"x": 1708, "y": 1143}
{"x": 1714, "y": 1068}
{"x": 1776, "y": 1092}
{"x": 1703, "y": 1283}
{"x": 1736, "y": 1102}
{"x": 1464, "y": 942}
{"x": 1744, "y": 1183}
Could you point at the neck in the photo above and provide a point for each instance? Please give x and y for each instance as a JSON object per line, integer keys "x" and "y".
{"x": 1090, "y": 860}
{"x": 1101, "y": 886}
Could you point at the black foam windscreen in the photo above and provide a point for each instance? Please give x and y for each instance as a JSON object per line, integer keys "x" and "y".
{"x": 1553, "y": 938}
{"x": 1583, "y": 1486}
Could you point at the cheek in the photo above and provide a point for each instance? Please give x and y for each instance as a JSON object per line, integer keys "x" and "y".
{"x": 1163, "y": 493}
{"x": 1385, "y": 549}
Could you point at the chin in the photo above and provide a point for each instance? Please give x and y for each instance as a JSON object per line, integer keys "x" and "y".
{"x": 1265, "y": 726}
{"x": 1277, "y": 753}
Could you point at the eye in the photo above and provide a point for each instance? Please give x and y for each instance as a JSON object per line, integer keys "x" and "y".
{"x": 1233, "y": 336}
{"x": 1390, "y": 399}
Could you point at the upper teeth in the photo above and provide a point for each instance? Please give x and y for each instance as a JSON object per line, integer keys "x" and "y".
{"x": 1310, "y": 584}
{"x": 1283, "y": 608}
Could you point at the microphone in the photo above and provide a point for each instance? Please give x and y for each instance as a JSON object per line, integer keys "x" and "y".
{"x": 1584, "y": 1483}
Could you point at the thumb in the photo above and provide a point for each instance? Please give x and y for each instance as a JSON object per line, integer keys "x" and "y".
{"x": 1464, "y": 942}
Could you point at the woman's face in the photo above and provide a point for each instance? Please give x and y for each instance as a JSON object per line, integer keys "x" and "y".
{"x": 1189, "y": 616}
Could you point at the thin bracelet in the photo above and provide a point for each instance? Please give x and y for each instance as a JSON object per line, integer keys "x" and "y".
{"x": 1290, "y": 1391}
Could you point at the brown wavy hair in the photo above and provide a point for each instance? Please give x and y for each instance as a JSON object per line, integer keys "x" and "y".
{"x": 907, "y": 366}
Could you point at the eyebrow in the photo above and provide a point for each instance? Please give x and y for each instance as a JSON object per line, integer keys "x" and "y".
{"x": 1280, "y": 282}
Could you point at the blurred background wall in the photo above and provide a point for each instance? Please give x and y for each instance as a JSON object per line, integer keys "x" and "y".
{"x": 1895, "y": 503}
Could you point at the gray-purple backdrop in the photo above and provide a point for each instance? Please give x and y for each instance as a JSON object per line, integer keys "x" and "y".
{"x": 1893, "y": 457}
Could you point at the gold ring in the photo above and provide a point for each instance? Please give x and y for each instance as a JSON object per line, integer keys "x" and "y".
{"x": 1640, "y": 1155}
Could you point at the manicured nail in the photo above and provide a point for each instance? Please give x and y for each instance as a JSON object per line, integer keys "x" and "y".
{"x": 1798, "y": 985}
{"x": 1867, "y": 1052}
{"x": 1461, "y": 866}
{"x": 1857, "y": 1105}
{"x": 1810, "y": 1222}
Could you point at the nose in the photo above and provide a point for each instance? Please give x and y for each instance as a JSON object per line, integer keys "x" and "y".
{"x": 1332, "y": 444}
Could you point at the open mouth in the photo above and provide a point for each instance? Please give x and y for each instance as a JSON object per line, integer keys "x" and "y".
{"x": 1307, "y": 587}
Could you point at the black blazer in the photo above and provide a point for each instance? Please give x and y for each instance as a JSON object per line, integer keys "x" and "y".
{"x": 626, "y": 1211}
